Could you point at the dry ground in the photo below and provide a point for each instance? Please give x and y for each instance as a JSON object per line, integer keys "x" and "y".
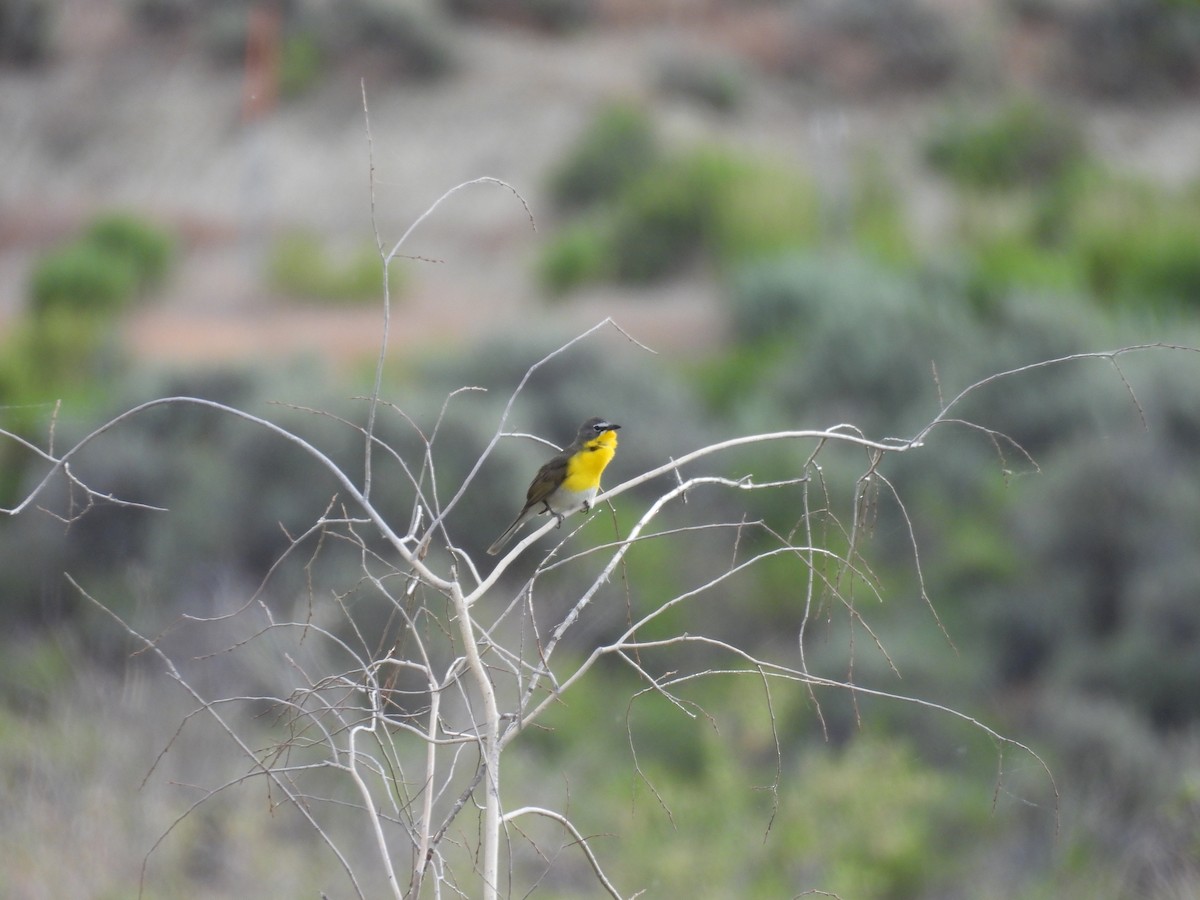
{"x": 119, "y": 122}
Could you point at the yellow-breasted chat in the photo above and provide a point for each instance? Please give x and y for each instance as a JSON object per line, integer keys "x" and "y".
{"x": 570, "y": 480}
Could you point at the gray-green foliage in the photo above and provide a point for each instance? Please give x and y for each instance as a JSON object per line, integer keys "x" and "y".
{"x": 845, "y": 339}
{"x": 717, "y": 83}
{"x": 1068, "y": 578}
{"x": 1103, "y": 537}
{"x": 230, "y": 487}
{"x": 233, "y": 488}
{"x": 1073, "y": 586}
{"x": 1105, "y": 602}
{"x": 1021, "y": 143}
{"x": 617, "y": 147}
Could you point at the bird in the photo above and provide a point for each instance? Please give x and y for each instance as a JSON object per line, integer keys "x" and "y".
{"x": 570, "y": 480}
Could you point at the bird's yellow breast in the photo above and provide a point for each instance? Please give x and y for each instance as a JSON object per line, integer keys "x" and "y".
{"x": 585, "y": 467}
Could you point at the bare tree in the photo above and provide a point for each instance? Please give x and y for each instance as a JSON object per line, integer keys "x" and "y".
{"x": 415, "y": 724}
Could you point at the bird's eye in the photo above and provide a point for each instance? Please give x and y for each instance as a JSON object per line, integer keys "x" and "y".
{"x": 600, "y": 428}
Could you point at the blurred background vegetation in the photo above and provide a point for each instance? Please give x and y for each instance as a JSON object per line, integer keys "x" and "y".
{"x": 822, "y": 212}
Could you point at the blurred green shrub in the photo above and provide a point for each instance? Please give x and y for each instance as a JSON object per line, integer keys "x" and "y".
{"x": 870, "y": 821}
{"x": 66, "y": 345}
{"x": 653, "y": 213}
{"x": 708, "y": 205}
{"x": 302, "y": 266}
{"x": 1123, "y": 242}
{"x": 118, "y": 256}
{"x": 57, "y": 355}
{"x": 830, "y": 326}
{"x": 1097, "y": 740}
{"x": 842, "y": 339}
{"x": 840, "y": 299}
{"x": 1138, "y": 246}
{"x": 33, "y": 671}
{"x": 1071, "y": 581}
{"x": 617, "y": 148}
{"x": 1104, "y": 604}
{"x": 661, "y": 220}
{"x": 1008, "y": 261}
{"x": 779, "y": 298}
{"x": 1022, "y": 143}
{"x": 147, "y": 248}
{"x": 755, "y": 209}
{"x": 62, "y": 350}
{"x": 579, "y": 255}
{"x": 833, "y": 339}
{"x": 878, "y": 224}
{"x": 82, "y": 278}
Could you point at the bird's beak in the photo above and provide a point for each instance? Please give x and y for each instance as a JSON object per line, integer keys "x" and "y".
{"x": 614, "y": 427}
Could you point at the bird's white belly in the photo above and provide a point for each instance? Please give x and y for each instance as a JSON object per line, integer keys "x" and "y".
{"x": 563, "y": 502}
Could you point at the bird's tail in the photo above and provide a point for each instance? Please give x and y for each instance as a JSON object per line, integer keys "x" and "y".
{"x": 507, "y": 536}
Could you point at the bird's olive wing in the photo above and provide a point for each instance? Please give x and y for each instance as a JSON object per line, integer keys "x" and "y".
{"x": 548, "y": 478}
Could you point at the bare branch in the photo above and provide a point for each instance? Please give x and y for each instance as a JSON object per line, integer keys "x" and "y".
{"x": 580, "y": 840}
